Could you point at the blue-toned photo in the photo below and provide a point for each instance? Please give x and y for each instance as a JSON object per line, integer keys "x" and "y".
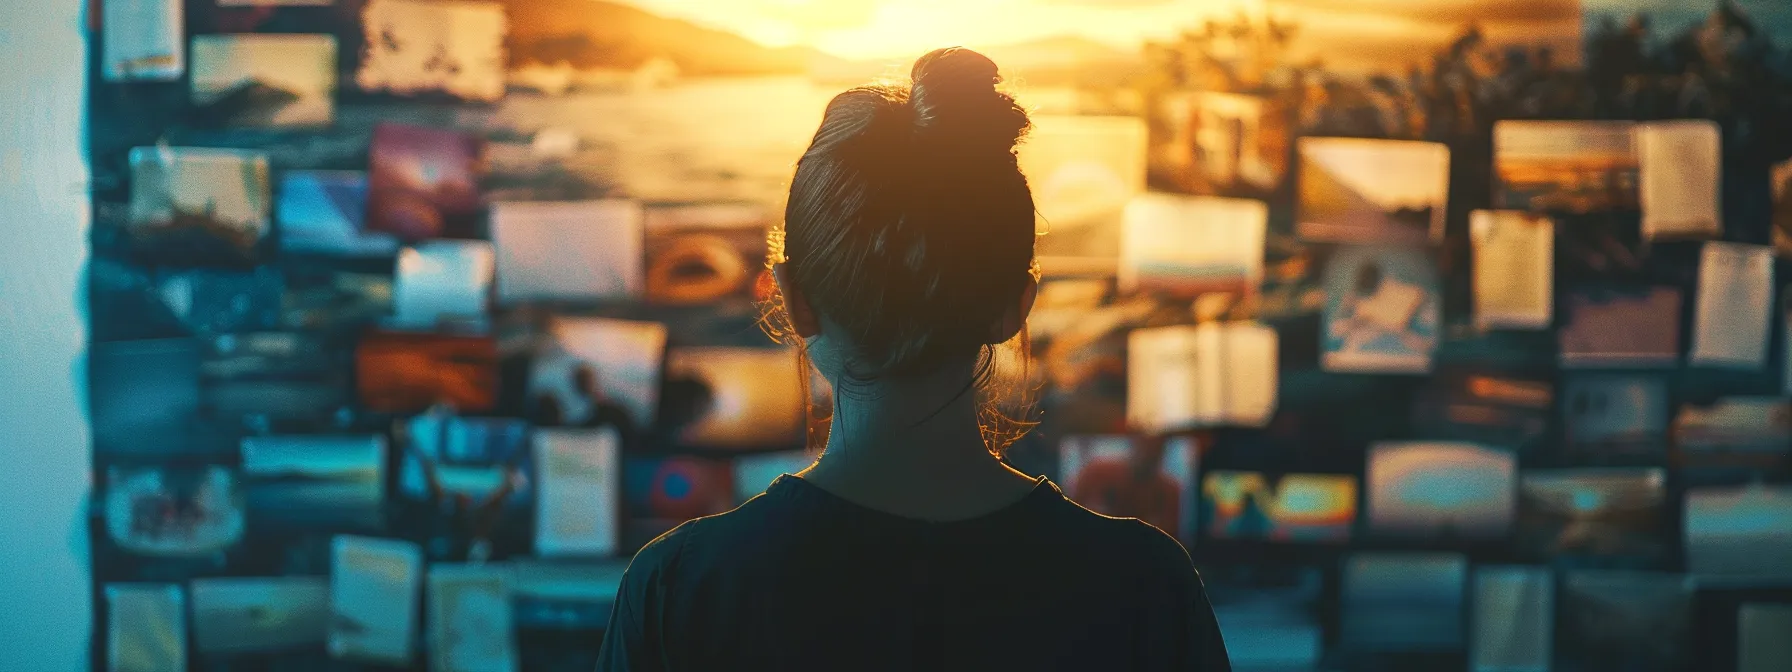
{"x": 1381, "y": 311}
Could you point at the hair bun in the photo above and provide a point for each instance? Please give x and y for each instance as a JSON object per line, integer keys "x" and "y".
{"x": 954, "y": 97}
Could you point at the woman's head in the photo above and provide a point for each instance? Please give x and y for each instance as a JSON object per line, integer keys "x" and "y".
{"x": 907, "y": 243}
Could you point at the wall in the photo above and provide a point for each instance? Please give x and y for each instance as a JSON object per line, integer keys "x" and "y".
{"x": 45, "y": 609}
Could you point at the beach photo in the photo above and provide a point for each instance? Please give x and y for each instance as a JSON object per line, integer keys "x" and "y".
{"x": 1354, "y": 190}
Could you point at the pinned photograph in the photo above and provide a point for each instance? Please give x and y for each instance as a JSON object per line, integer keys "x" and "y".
{"x": 1183, "y": 247}
{"x": 1152, "y": 479}
{"x": 1355, "y": 190}
{"x": 1625, "y": 620}
{"x": 659, "y": 493}
{"x": 418, "y": 47}
{"x": 276, "y": 375}
{"x": 1514, "y": 264}
{"x": 1083, "y": 171}
{"x": 173, "y": 512}
{"x": 1615, "y": 415}
{"x": 1487, "y": 407}
{"x": 146, "y": 627}
{"x": 1742, "y": 532}
{"x": 1382, "y": 311}
{"x": 578, "y": 476}
{"x": 754, "y": 473}
{"x": 706, "y": 252}
{"x": 259, "y": 615}
{"x": 374, "y": 595}
{"x": 599, "y": 371}
{"x": 1400, "y": 602}
{"x": 141, "y": 394}
{"x": 1435, "y": 490}
{"x": 401, "y": 372}
{"x": 1591, "y": 516}
{"x": 324, "y": 212}
{"x": 1564, "y": 166}
{"x": 265, "y": 81}
{"x": 1733, "y": 314}
{"x": 471, "y": 623}
{"x": 1296, "y": 508}
{"x": 424, "y": 182}
{"x": 1762, "y": 645}
{"x": 1512, "y": 628}
{"x": 1735, "y": 431}
{"x": 1220, "y": 144}
{"x": 198, "y": 207}
{"x": 1620, "y": 327}
{"x": 151, "y": 48}
{"x": 1184, "y": 377}
{"x": 735, "y": 398}
{"x": 484, "y": 460}
{"x": 316, "y": 481}
{"x": 567, "y": 251}
{"x": 1680, "y": 174}
{"x": 440, "y": 281}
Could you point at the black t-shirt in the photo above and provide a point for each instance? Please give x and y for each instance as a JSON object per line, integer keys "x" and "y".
{"x": 800, "y": 579}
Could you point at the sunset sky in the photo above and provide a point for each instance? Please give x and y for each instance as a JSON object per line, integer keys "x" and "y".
{"x": 866, "y": 29}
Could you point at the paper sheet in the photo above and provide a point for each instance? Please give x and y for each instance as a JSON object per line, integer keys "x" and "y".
{"x": 1733, "y": 318}
{"x": 580, "y": 487}
{"x": 1680, "y": 173}
{"x": 1201, "y": 376}
{"x": 1514, "y": 264}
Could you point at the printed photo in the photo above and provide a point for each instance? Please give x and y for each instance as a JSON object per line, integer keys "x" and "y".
{"x": 1441, "y": 491}
{"x": 403, "y": 372}
{"x": 1396, "y": 602}
{"x": 471, "y": 624}
{"x": 1514, "y": 268}
{"x": 567, "y": 251}
{"x": 1625, "y": 620}
{"x": 1381, "y": 312}
{"x": 173, "y": 512}
{"x": 1680, "y": 178}
{"x": 735, "y": 398}
{"x": 1220, "y": 144}
{"x": 442, "y": 281}
{"x": 1610, "y": 326}
{"x": 1615, "y": 415}
{"x": 1282, "y": 508}
{"x": 153, "y": 50}
{"x": 486, "y": 461}
{"x": 1565, "y": 166}
{"x": 278, "y": 375}
{"x": 705, "y": 252}
{"x": 265, "y": 81}
{"x": 423, "y": 182}
{"x": 324, "y": 212}
{"x": 259, "y": 615}
{"x": 1183, "y": 247}
{"x": 560, "y": 595}
{"x": 198, "y": 207}
{"x": 375, "y": 587}
{"x": 316, "y": 481}
{"x": 1513, "y": 625}
{"x": 146, "y": 627}
{"x": 1354, "y": 190}
{"x": 659, "y": 493}
{"x": 597, "y": 371}
{"x": 1133, "y": 477}
{"x": 453, "y": 48}
{"x": 1739, "y": 532}
{"x": 1610, "y": 517}
{"x": 142, "y": 394}
{"x": 1083, "y": 170}
{"x": 1493, "y": 408}
{"x": 1754, "y": 431}
{"x": 1184, "y": 377}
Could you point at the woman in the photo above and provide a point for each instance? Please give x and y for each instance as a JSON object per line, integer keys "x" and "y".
{"x": 906, "y": 257}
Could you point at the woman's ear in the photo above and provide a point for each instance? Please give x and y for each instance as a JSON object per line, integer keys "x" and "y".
{"x": 1015, "y": 318}
{"x": 802, "y": 317}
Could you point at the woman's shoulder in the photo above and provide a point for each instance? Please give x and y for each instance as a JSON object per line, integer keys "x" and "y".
{"x": 1129, "y": 540}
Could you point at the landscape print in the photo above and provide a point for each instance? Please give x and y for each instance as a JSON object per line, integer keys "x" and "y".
{"x": 1358, "y": 191}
